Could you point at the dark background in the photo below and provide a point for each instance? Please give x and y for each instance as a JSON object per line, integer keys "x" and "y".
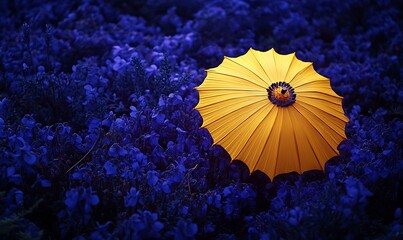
{"x": 99, "y": 138}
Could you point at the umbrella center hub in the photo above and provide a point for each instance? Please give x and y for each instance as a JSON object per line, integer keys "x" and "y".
{"x": 281, "y": 94}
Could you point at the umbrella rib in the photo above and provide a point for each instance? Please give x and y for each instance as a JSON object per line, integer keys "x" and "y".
{"x": 317, "y": 98}
{"x": 296, "y": 144}
{"x": 229, "y": 75}
{"x": 316, "y": 156}
{"x": 267, "y": 139}
{"x": 260, "y": 64}
{"x": 302, "y": 69}
{"x": 288, "y": 69}
{"x": 236, "y": 110}
{"x": 305, "y": 83}
{"x": 310, "y": 145}
{"x": 246, "y": 69}
{"x": 317, "y": 129}
{"x": 253, "y": 113}
{"x": 327, "y": 94}
{"x": 218, "y": 140}
{"x": 268, "y": 112}
{"x": 251, "y": 92}
{"x": 221, "y": 101}
{"x": 278, "y": 146}
{"x": 232, "y": 90}
{"x": 317, "y": 115}
{"x": 275, "y": 65}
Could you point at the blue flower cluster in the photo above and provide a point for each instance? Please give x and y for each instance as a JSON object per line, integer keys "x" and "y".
{"x": 99, "y": 138}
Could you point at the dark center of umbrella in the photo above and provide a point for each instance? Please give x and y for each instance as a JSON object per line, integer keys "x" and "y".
{"x": 283, "y": 91}
{"x": 281, "y": 94}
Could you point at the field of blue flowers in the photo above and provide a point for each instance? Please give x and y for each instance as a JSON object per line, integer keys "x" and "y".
{"x": 99, "y": 138}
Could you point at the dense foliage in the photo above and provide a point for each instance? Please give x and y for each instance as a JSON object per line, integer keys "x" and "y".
{"x": 99, "y": 138}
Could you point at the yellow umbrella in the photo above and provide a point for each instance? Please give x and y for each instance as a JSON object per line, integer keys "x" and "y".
{"x": 274, "y": 112}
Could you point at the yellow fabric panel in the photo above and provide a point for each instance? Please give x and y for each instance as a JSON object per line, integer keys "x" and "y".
{"x": 233, "y": 68}
{"x": 253, "y": 64}
{"x": 332, "y": 124}
{"x": 322, "y": 123}
{"x": 267, "y": 60}
{"x": 253, "y": 152}
{"x": 209, "y": 97}
{"x": 317, "y": 136}
{"x": 282, "y": 65}
{"x": 237, "y": 140}
{"x": 323, "y": 107}
{"x": 287, "y": 156}
{"x": 227, "y": 81}
{"x": 332, "y": 100}
{"x": 261, "y": 57}
{"x": 226, "y": 123}
{"x": 307, "y": 75}
{"x": 296, "y": 67}
{"x": 214, "y": 112}
{"x": 306, "y": 154}
{"x": 316, "y": 86}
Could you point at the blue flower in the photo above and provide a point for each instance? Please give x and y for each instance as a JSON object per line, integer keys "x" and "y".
{"x": 141, "y": 225}
{"x": 166, "y": 188}
{"x": 215, "y": 200}
{"x": 22, "y": 150}
{"x": 357, "y": 193}
{"x": 152, "y": 178}
{"x": 44, "y": 182}
{"x": 133, "y": 112}
{"x": 295, "y": 216}
{"x": 277, "y": 204}
{"x": 72, "y": 199}
{"x": 19, "y": 197}
{"x": 80, "y": 199}
{"x": 102, "y": 231}
{"x": 185, "y": 229}
{"x": 175, "y": 99}
{"x": 28, "y": 121}
{"x": 115, "y": 150}
{"x": 2, "y": 134}
{"x": 110, "y": 168}
{"x": 159, "y": 117}
{"x": 132, "y": 197}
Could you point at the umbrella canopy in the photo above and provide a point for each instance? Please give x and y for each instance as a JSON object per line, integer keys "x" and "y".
{"x": 274, "y": 112}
